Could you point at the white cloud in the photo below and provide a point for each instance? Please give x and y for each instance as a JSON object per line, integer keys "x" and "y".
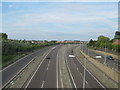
{"x": 65, "y": 18}
{"x": 61, "y": 0}
{"x": 67, "y": 14}
{"x": 0, "y": 4}
{"x": 10, "y": 6}
{"x": 37, "y": 22}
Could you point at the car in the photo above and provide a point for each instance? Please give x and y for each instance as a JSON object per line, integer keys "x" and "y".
{"x": 98, "y": 57}
{"x": 71, "y": 56}
{"x": 110, "y": 57}
{"x": 47, "y": 57}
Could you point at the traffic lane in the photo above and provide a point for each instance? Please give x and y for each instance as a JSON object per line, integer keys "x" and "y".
{"x": 39, "y": 79}
{"x": 90, "y": 82}
{"x": 111, "y": 63}
{"x": 64, "y": 80}
{"x": 78, "y": 80}
{"x": 75, "y": 73}
{"x": 51, "y": 77}
{"x": 13, "y": 69}
{"x": 103, "y": 56}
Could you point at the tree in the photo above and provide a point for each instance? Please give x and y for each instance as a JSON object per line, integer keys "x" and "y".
{"x": 117, "y": 35}
{"x": 102, "y": 41}
{"x": 92, "y": 43}
{"x": 3, "y": 36}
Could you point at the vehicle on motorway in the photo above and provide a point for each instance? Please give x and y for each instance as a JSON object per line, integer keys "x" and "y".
{"x": 98, "y": 57}
{"x": 47, "y": 57}
{"x": 72, "y": 56}
{"x": 110, "y": 57}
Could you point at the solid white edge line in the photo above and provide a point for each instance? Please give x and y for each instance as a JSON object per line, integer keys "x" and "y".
{"x": 61, "y": 79}
{"x": 38, "y": 68}
{"x": 61, "y": 76}
{"x": 18, "y": 72}
{"x": 16, "y": 61}
{"x": 21, "y": 68}
{"x": 70, "y": 74}
{"x": 84, "y": 78}
{"x": 91, "y": 74}
{"x": 57, "y": 70}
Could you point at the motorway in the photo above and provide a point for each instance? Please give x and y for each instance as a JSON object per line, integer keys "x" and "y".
{"x": 114, "y": 64}
{"x": 85, "y": 80}
{"x": 51, "y": 73}
{"x": 10, "y": 71}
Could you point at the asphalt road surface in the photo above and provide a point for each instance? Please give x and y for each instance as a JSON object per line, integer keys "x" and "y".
{"x": 85, "y": 80}
{"x": 11, "y": 70}
{"x": 47, "y": 73}
{"x": 110, "y": 63}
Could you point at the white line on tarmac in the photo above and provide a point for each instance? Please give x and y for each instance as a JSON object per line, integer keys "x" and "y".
{"x": 86, "y": 82}
{"x": 77, "y": 69}
{"x": 21, "y": 68}
{"x": 81, "y": 73}
{"x": 91, "y": 74}
{"x": 71, "y": 75}
{"x": 18, "y": 72}
{"x": 38, "y": 67}
{"x": 48, "y": 66}
{"x": 60, "y": 72}
{"x": 57, "y": 70}
{"x": 42, "y": 84}
{"x": 16, "y": 61}
{"x": 47, "y": 69}
{"x": 61, "y": 78}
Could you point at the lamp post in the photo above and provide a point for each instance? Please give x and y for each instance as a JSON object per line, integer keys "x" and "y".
{"x": 105, "y": 54}
{"x": 84, "y": 81}
{"x": 88, "y": 49}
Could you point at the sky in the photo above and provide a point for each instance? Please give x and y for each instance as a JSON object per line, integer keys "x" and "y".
{"x": 59, "y": 20}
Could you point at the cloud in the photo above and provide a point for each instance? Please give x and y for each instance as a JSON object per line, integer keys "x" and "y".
{"x": 71, "y": 13}
{"x": 61, "y": 1}
{"x": 0, "y": 4}
{"x": 66, "y": 20}
{"x": 10, "y": 6}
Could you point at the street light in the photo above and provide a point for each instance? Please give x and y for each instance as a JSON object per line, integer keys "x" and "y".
{"x": 88, "y": 49}
{"x": 84, "y": 81}
{"x": 105, "y": 54}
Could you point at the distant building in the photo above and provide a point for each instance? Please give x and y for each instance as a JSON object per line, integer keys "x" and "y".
{"x": 117, "y": 42}
{"x": 117, "y": 38}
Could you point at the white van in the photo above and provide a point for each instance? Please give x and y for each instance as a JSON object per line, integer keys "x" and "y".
{"x": 98, "y": 57}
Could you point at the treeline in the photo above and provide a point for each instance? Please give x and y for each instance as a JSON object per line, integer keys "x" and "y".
{"x": 104, "y": 42}
{"x": 14, "y": 49}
